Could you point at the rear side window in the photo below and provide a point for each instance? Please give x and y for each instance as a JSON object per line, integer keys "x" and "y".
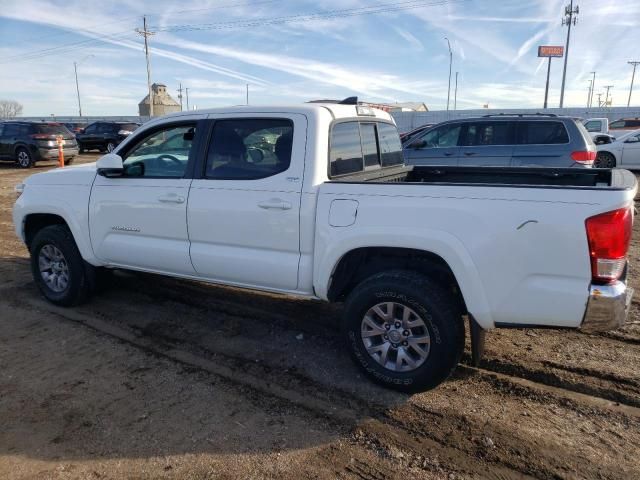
{"x": 618, "y": 124}
{"x": 594, "y": 126}
{"x": 249, "y": 149}
{"x": 487, "y": 133}
{"x": 356, "y": 146}
{"x": 632, "y": 123}
{"x": 542, "y": 133}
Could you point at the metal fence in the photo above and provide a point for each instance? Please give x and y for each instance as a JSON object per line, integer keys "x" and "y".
{"x": 409, "y": 120}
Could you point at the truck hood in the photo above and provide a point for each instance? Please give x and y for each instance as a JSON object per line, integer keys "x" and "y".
{"x": 73, "y": 175}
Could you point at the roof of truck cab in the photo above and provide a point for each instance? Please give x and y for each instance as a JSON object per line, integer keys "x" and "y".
{"x": 336, "y": 110}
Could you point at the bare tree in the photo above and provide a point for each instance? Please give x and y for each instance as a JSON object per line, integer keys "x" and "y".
{"x": 10, "y": 109}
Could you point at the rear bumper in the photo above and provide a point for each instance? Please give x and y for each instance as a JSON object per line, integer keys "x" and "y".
{"x": 607, "y": 307}
{"x": 52, "y": 153}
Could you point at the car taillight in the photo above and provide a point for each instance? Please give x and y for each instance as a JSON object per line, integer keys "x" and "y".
{"x": 609, "y": 235}
{"x": 583, "y": 156}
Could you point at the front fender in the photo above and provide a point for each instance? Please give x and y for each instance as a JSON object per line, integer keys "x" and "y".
{"x": 441, "y": 243}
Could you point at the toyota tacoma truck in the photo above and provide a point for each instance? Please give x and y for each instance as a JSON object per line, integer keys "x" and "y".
{"x": 316, "y": 201}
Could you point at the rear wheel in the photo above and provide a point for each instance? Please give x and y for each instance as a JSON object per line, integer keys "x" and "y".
{"x": 605, "y": 160}
{"x": 58, "y": 269}
{"x": 403, "y": 330}
{"x": 24, "y": 158}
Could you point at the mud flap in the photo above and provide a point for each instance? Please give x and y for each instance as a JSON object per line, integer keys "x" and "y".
{"x": 477, "y": 341}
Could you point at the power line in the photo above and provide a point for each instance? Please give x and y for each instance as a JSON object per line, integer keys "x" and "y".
{"x": 568, "y": 20}
{"x": 308, "y": 17}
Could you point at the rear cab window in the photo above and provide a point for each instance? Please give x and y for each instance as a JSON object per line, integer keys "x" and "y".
{"x": 360, "y": 145}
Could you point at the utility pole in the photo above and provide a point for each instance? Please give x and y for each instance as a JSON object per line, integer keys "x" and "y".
{"x": 606, "y": 97}
{"x": 146, "y": 34}
{"x": 247, "y": 94}
{"x": 455, "y": 94}
{"x": 450, "y": 62}
{"x": 599, "y": 101}
{"x": 180, "y": 96}
{"x": 593, "y": 87}
{"x": 633, "y": 76}
{"x": 589, "y": 92}
{"x": 569, "y": 19}
{"x": 187, "y": 92}
{"x": 75, "y": 68}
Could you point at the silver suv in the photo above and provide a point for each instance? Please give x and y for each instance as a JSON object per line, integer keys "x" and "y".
{"x": 541, "y": 140}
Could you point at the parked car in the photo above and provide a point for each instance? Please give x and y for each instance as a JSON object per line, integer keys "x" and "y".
{"x": 623, "y": 151}
{"x": 624, "y": 125}
{"x": 335, "y": 215}
{"x": 598, "y": 128}
{"x": 104, "y": 136}
{"x": 504, "y": 140}
{"x": 407, "y": 136}
{"x": 29, "y": 142}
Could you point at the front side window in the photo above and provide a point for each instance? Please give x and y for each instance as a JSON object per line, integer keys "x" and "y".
{"x": 487, "y": 133}
{"x": 249, "y": 149}
{"x": 542, "y": 133}
{"x": 162, "y": 153}
{"x": 594, "y": 126}
{"x": 442, "y": 137}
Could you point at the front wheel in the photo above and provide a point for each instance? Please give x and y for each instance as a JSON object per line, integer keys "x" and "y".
{"x": 605, "y": 160}
{"x": 58, "y": 269}
{"x": 404, "y": 331}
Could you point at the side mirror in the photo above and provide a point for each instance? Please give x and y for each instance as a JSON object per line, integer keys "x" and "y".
{"x": 418, "y": 144}
{"x": 110, "y": 165}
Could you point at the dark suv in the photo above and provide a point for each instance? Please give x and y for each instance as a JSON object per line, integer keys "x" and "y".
{"x": 542, "y": 140}
{"x": 104, "y": 136}
{"x": 29, "y": 142}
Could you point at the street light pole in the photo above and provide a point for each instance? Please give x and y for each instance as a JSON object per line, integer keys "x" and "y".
{"x": 589, "y": 92}
{"x": 633, "y": 76}
{"x": 455, "y": 94}
{"x": 450, "y": 62}
{"x": 593, "y": 87}
{"x": 75, "y": 69}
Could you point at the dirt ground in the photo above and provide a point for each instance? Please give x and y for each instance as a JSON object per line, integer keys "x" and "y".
{"x": 160, "y": 378}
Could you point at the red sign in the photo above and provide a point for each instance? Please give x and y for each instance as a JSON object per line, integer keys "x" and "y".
{"x": 550, "y": 51}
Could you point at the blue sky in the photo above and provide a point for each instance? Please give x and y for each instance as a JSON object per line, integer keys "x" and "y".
{"x": 395, "y": 55}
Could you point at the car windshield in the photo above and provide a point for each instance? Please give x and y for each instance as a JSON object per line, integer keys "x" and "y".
{"x": 622, "y": 138}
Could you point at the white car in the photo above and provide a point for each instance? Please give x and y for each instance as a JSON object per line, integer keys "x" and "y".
{"x": 326, "y": 209}
{"x": 623, "y": 152}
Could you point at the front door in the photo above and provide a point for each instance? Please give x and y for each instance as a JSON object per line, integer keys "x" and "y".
{"x": 244, "y": 211}
{"x": 631, "y": 151}
{"x": 437, "y": 146}
{"x": 139, "y": 220}
{"x": 486, "y": 144}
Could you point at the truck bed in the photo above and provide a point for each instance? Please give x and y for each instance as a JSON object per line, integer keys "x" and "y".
{"x": 519, "y": 177}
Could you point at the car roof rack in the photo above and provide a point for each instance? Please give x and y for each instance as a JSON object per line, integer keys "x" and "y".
{"x": 537, "y": 114}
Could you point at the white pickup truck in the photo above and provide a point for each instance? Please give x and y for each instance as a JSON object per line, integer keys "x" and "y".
{"x": 315, "y": 201}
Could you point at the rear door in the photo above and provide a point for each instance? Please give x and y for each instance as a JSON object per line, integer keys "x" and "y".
{"x": 542, "y": 143}
{"x": 244, "y": 203}
{"x": 486, "y": 143}
{"x": 90, "y": 136}
{"x": 437, "y": 146}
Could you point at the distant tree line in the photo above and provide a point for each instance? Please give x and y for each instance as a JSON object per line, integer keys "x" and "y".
{"x": 10, "y": 109}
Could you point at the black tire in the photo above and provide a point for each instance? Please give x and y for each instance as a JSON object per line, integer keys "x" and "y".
{"x": 81, "y": 149}
{"x": 69, "y": 161}
{"x": 81, "y": 275}
{"x": 110, "y": 147}
{"x": 605, "y": 160}
{"x": 24, "y": 159}
{"x": 439, "y": 312}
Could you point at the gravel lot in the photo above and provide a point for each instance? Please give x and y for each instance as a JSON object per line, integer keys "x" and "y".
{"x": 160, "y": 378}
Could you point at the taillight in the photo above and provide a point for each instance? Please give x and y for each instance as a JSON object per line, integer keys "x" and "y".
{"x": 609, "y": 235}
{"x": 583, "y": 156}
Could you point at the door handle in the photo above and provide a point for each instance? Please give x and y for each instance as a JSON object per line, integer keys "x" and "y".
{"x": 171, "y": 198}
{"x": 468, "y": 154}
{"x": 447, "y": 154}
{"x": 275, "y": 204}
